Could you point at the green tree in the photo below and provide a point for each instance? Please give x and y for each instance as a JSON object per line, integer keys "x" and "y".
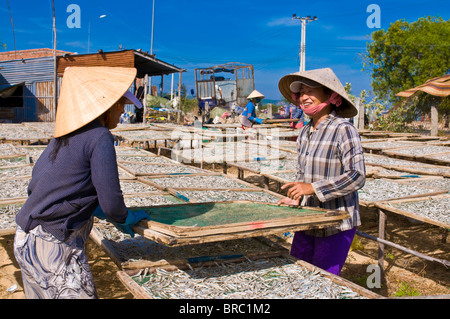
{"x": 404, "y": 56}
{"x": 407, "y": 55}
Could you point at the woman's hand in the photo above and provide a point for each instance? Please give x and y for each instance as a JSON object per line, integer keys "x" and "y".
{"x": 298, "y": 189}
{"x": 288, "y": 201}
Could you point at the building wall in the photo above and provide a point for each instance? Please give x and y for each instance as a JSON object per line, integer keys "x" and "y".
{"x": 38, "y": 94}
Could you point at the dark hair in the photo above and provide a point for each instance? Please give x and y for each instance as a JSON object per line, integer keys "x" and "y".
{"x": 59, "y": 142}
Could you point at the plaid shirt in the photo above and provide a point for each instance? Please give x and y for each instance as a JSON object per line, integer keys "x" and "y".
{"x": 331, "y": 159}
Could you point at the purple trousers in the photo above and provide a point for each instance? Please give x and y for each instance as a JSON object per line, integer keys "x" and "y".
{"x": 328, "y": 253}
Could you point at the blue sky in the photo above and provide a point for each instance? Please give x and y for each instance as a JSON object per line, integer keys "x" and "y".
{"x": 200, "y": 33}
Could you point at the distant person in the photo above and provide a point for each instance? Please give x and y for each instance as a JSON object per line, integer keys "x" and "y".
{"x": 249, "y": 114}
{"x": 219, "y": 96}
{"x": 330, "y": 165}
{"x": 75, "y": 178}
{"x": 293, "y": 112}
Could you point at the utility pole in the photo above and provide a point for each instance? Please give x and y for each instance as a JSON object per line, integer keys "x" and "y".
{"x": 304, "y": 21}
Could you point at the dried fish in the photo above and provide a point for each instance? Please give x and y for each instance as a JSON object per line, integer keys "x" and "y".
{"x": 133, "y": 187}
{"x": 267, "y": 278}
{"x": 14, "y": 188}
{"x": 381, "y": 189}
{"x": 433, "y": 208}
{"x": 438, "y": 183}
{"x": 152, "y": 200}
{"x": 422, "y": 150}
{"x": 144, "y": 159}
{"x": 159, "y": 169}
{"x": 8, "y": 214}
{"x": 195, "y": 181}
{"x": 18, "y": 171}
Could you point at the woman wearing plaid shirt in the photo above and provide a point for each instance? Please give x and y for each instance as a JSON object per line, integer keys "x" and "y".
{"x": 330, "y": 165}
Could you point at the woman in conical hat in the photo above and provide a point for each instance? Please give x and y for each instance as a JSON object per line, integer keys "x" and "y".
{"x": 75, "y": 178}
{"x": 330, "y": 165}
{"x": 249, "y": 115}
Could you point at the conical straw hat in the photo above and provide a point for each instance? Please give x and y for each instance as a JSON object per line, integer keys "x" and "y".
{"x": 87, "y": 92}
{"x": 325, "y": 77}
{"x": 254, "y": 95}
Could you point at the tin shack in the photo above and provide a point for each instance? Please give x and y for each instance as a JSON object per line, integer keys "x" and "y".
{"x": 27, "y": 79}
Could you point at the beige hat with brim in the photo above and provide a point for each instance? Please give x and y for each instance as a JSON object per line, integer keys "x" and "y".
{"x": 88, "y": 92}
{"x": 325, "y": 77}
{"x": 255, "y": 95}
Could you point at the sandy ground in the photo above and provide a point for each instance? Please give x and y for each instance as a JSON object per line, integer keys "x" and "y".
{"x": 405, "y": 273}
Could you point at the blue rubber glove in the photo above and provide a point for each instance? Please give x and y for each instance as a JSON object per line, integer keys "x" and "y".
{"x": 98, "y": 212}
{"x": 257, "y": 120}
{"x": 134, "y": 216}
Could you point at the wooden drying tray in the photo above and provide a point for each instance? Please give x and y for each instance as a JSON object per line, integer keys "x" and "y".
{"x": 125, "y": 276}
{"x": 24, "y": 158}
{"x": 424, "y": 158}
{"x": 428, "y": 191}
{"x": 387, "y": 207}
{"x": 192, "y": 223}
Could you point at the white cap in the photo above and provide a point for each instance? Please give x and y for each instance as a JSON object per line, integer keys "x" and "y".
{"x": 296, "y": 85}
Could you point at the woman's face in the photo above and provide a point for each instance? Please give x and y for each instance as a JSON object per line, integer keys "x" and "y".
{"x": 310, "y": 97}
{"x": 113, "y": 118}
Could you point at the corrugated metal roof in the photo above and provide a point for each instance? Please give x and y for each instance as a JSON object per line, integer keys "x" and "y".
{"x": 27, "y": 70}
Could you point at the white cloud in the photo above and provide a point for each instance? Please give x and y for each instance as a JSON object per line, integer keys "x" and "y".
{"x": 287, "y": 22}
{"x": 355, "y": 37}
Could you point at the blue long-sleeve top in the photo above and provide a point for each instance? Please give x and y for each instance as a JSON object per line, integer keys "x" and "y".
{"x": 250, "y": 112}
{"x": 63, "y": 193}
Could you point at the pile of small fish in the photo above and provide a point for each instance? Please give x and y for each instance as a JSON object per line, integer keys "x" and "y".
{"x": 270, "y": 165}
{"x": 159, "y": 169}
{"x": 6, "y": 149}
{"x": 143, "y": 135}
{"x": 385, "y": 160}
{"x": 8, "y": 215}
{"x": 133, "y": 187}
{"x": 21, "y": 132}
{"x": 286, "y": 176}
{"x": 152, "y": 200}
{"x": 438, "y": 183}
{"x": 195, "y": 181}
{"x": 433, "y": 208}
{"x": 386, "y": 144}
{"x": 266, "y": 278}
{"x": 143, "y": 159}
{"x": 14, "y": 188}
{"x": 14, "y": 172}
{"x": 381, "y": 189}
{"x": 424, "y": 150}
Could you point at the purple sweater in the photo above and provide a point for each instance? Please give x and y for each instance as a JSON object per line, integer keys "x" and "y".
{"x": 63, "y": 193}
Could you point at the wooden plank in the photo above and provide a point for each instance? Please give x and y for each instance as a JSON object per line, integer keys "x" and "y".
{"x": 137, "y": 291}
{"x": 104, "y": 244}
